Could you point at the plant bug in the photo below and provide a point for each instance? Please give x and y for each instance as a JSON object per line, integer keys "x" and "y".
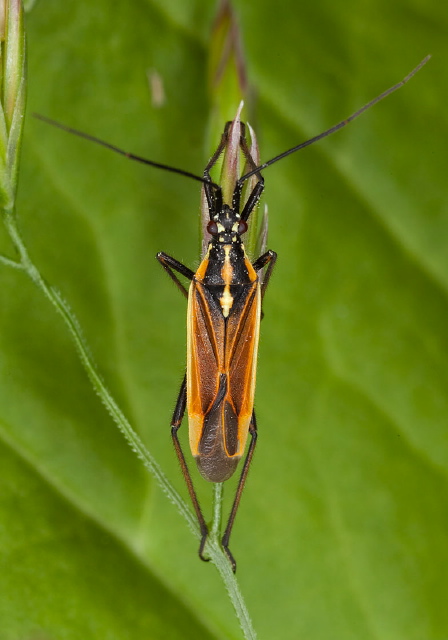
{"x": 225, "y": 297}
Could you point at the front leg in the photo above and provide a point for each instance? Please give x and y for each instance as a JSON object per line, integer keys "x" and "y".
{"x": 171, "y": 265}
{"x": 269, "y": 258}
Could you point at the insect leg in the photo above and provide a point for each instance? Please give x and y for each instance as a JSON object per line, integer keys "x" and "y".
{"x": 228, "y": 530}
{"x": 170, "y": 265}
{"x": 210, "y": 190}
{"x": 269, "y": 258}
{"x": 176, "y": 421}
{"x": 222, "y": 143}
{"x": 256, "y": 191}
{"x": 252, "y": 199}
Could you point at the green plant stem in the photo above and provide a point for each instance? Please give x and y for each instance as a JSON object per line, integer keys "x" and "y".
{"x": 213, "y": 547}
{"x": 222, "y": 562}
{"x": 11, "y": 263}
{"x": 218, "y": 495}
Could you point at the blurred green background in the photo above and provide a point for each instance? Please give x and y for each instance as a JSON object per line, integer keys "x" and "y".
{"x": 342, "y": 531}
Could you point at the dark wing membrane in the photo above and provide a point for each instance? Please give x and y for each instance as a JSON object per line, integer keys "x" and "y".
{"x": 205, "y": 357}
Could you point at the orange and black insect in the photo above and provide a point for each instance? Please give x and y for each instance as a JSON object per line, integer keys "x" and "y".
{"x": 223, "y": 320}
{"x": 224, "y": 311}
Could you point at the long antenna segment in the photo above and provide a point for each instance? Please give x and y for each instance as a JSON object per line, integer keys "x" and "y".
{"x": 338, "y": 126}
{"x": 261, "y": 167}
{"x": 131, "y": 156}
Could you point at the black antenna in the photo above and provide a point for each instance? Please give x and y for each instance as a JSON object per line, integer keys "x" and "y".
{"x": 336, "y": 126}
{"x": 206, "y": 181}
{"x": 131, "y": 156}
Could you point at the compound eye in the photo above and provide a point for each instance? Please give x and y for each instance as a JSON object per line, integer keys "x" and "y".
{"x": 242, "y": 227}
{"x": 212, "y": 228}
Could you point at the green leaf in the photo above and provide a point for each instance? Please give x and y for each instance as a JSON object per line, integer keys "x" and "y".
{"x": 342, "y": 527}
{"x": 63, "y": 576}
